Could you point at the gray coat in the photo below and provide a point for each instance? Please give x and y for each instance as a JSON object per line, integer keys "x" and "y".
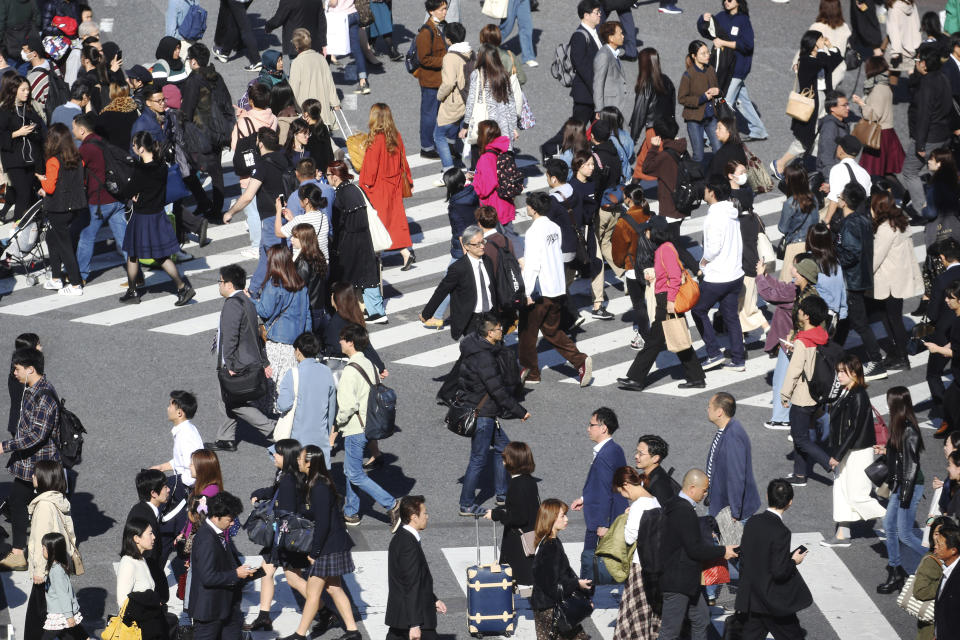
{"x": 239, "y": 344}
{"x": 830, "y": 129}
{"x": 610, "y": 86}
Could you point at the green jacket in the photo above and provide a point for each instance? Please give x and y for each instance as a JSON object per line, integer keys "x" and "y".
{"x": 14, "y": 13}
{"x": 952, "y": 22}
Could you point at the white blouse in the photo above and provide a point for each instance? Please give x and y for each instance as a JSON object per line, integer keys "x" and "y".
{"x": 132, "y": 575}
{"x": 639, "y": 505}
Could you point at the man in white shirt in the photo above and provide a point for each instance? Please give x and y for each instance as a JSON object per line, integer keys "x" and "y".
{"x": 722, "y": 267}
{"x": 848, "y": 148}
{"x": 544, "y": 282}
{"x": 186, "y": 437}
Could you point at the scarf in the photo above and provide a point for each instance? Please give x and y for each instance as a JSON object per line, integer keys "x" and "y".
{"x": 871, "y": 82}
{"x": 122, "y": 105}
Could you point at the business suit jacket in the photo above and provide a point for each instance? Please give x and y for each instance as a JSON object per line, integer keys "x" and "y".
{"x": 610, "y": 87}
{"x": 410, "y": 598}
{"x": 937, "y": 310}
{"x": 683, "y": 549}
{"x": 600, "y": 503}
{"x": 946, "y": 610}
{"x": 662, "y": 486}
{"x": 153, "y": 557}
{"x": 461, "y": 284}
{"x": 731, "y": 481}
{"x": 215, "y": 587}
{"x": 239, "y": 341}
{"x": 770, "y": 583}
{"x": 583, "y": 49}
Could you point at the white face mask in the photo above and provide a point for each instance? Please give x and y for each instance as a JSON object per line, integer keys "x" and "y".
{"x": 741, "y": 179}
{"x": 24, "y": 56}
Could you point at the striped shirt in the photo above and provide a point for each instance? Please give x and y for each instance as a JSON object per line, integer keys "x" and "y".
{"x": 316, "y": 219}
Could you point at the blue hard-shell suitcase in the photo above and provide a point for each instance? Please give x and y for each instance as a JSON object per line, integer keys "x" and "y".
{"x": 490, "y": 608}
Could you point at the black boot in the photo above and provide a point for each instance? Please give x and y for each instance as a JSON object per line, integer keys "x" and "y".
{"x": 261, "y": 623}
{"x": 895, "y": 578}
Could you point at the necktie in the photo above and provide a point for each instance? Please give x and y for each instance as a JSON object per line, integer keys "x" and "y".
{"x": 484, "y": 296}
{"x": 223, "y": 538}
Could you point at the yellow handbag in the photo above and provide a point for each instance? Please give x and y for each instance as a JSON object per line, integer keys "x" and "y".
{"x": 357, "y": 150}
{"x": 116, "y": 630}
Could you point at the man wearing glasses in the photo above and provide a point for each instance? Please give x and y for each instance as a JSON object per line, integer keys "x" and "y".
{"x": 469, "y": 283}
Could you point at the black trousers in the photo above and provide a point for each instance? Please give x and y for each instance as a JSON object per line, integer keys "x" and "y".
{"x": 781, "y": 627}
{"x": 936, "y": 364}
{"x": 655, "y": 344}
{"x": 63, "y": 251}
{"x": 21, "y": 179}
{"x": 583, "y": 112}
{"x": 21, "y": 493}
{"x": 209, "y": 162}
{"x": 805, "y": 451}
{"x": 951, "y": 406}
{"x": 635, "y": 289}
{"x": 227, "y": 629}
{"x": 858, "y": 321}
{"x": 234, "y": 31}
{"x": 893, "y": 323}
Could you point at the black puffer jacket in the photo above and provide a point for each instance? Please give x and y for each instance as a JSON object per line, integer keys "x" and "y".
{"x": 851, "y": 423}
{"x": 855, "y": 251}
{"x": 480, "y": 375}
{"x": 905, "y": 472}
{"x": 551, "y": 568}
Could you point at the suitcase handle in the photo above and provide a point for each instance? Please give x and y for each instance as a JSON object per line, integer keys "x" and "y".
{"x": 477, "y": 523}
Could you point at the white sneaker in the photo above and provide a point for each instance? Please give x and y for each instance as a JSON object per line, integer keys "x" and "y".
{"x": 532, "y": 63}
{"x": 250, "y": 253}
{"x": 637, "y": 343}
{"x": 439, "y": 183}
{"x": 70, "y": 290}
{"x": 53, "y": 284}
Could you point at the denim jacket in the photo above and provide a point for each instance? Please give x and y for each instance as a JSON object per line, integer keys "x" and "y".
{"x": 794, "y": 222}
{"x": 286, "y": 314}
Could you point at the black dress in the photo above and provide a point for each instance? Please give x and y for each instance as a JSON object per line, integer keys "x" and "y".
{"x": 518, "y": 515}
{"x": 354, "y": 260}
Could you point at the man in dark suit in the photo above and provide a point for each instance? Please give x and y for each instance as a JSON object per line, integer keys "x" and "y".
{"x": 412, "y": 605}
{"x": 772, "y": 590}
{"x": 153, "y": 491}
{"x": 469, "y": 283}
{"x": 599, "y": 502}
{"x": 946, "y": 610}
{"x": 238, "y": 347}
{"x": 584, "y": 45}
{"x": 941, "y": 318}
{"x": 649, "y": 456}
{"x": 684, "y": 551}
{"x": 217, "y": 580}
{"x": 729, "y": 462}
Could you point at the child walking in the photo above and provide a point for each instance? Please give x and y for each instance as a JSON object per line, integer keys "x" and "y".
{"x": 63, "y": 612}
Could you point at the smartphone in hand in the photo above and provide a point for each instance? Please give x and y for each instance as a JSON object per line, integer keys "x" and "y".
{"x": 801, "y": 549}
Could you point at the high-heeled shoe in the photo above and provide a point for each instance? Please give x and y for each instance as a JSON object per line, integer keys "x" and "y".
{"x": 408, "y": 264}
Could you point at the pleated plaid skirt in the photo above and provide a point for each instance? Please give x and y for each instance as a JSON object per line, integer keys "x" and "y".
{"x": 333, "y": 564}
{"x": 636, "y": 619}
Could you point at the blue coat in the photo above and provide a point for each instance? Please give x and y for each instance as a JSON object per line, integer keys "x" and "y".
{"x": 286, "y": 314}
{"x": 732, "y": 483}
{"x": 600, "y": 503}
{"x": 316, "y": 403}
{"x": 740, "y": 30}
{"x": 148, "y": 122}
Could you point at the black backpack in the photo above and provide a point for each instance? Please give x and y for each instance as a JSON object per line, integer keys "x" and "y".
{"x": 649, "y": 538}
{"x": 582, "y": 253}
{"x": 58, "y": 92}
{"x": 509, "y": 178}
{"x": 381, "y": 408}
{"x": 688, "y": 193}
{"x": 223, "y": 118}
{"x": 643, "y": 258}
{"x": 246, "y": 153}
{"x": 68, "y": 436}
{"x": 509, "y": 370}
{"x": 508, "y": 280}
{"x": 823, "y": 384}
{"x": 411, "y": 60}
{"x": 118, "y": 169}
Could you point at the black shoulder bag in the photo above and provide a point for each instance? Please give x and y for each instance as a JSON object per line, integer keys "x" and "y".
{"x": 249, "y": 383}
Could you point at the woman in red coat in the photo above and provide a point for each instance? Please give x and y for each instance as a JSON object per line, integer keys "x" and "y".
{"x": 383, "y": 175}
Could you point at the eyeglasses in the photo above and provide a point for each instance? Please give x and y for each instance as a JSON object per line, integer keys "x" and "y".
{"x": 160, "y": 99}
{"x": 594, "y": 424}
{"x": 500, "y": 329}
{"x": 477, "y": 244}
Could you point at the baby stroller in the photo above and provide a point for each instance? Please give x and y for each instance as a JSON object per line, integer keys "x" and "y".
{"x": 24, "y": 250}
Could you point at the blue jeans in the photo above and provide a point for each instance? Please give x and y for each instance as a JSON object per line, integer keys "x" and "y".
{"x": 373, "y": 301}
{"x": 898, "y": 523}
{"x": 590, "y": 540}
{"x": 518, "y": 11}
{"x": 727, "y": 294}
{"x": 488, "y": 432}
{"x": 695, "y": 132}
{"x": 267, "y": 239}
{"x": 353, "y": 22}
{"x": 780, "y": 413}
{"x": 353, "y": 470}
{"x": 443, "y": 136}
{"x": 253, "y": 223}
{"x": 429, "y": 106}
{"x": 738, "y": 91}
{"x": 112, "y": 214}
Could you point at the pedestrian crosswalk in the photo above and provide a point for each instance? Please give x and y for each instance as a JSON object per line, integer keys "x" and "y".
{"x": 837, "y": 595}
{"x": 404, "y": 340}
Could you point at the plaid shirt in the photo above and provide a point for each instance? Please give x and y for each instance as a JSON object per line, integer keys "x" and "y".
{"x": 36, "y": 430}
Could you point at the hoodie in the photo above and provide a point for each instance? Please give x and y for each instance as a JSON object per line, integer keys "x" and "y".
{"x": 258, "y": 118}
{"x": 485, "y": 180}
{"x": 458, "y": 61}
{"x": 460, "y": 211}
{"x": 800, "y": 369}
{"x": 49, "y": 513}
{"x": 722, "y": 244}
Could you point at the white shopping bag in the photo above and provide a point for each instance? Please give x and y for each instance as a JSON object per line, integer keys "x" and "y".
{"x": 338, "y": 34}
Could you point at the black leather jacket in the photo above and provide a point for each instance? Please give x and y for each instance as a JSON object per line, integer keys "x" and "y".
{"x": 904, "y": 464}
{"x": 851, "y": 423}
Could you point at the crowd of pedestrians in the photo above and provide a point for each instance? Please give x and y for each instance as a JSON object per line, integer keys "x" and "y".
{"x": 85, "y": 142}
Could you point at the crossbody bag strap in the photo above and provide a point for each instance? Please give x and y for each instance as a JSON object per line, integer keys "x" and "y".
{"x": 367, "y": 380}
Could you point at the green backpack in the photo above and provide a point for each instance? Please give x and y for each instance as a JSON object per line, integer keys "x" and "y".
{"x": 612, "y": 549}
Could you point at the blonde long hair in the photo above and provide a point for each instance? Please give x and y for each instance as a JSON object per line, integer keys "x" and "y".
{"x": 550, "y": 509}
{"x": 381, "y": 121}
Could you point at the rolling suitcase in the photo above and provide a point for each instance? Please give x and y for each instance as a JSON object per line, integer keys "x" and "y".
{"x": 490, "y": 608}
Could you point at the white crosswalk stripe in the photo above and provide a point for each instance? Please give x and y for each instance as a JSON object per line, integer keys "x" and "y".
{"x": 836, "y": 593}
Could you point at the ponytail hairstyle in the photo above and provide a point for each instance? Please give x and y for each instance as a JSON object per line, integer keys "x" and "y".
{"x": 692, "y": 49}
{"x": 145, "y": 140}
